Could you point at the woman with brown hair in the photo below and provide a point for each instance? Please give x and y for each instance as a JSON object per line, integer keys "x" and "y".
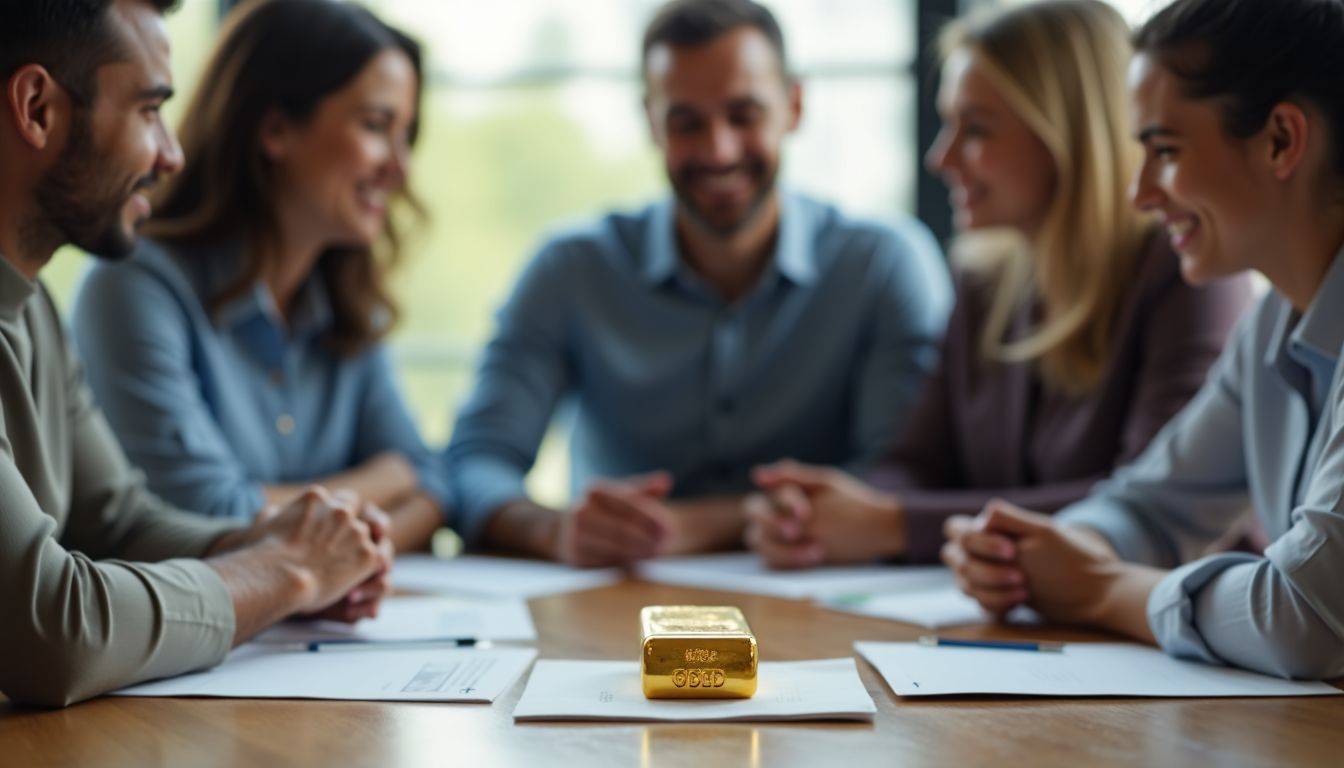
{"x": 1073, "y": 339}
{"x": 238, "y": 355}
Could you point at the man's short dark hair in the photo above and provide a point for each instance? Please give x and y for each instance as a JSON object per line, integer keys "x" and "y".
{"x": 70, "y": 38}
{"x": 697, "y": 22}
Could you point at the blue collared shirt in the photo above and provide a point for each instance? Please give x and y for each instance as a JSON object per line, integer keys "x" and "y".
{"x": 212, "y": 409}
{"x": 1265, "y": 432}
{"x": 819, "y": 361}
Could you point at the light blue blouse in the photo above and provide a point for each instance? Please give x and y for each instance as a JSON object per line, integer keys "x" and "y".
{"x": 1265, "y": 433}
{"x": 211, "y": 409}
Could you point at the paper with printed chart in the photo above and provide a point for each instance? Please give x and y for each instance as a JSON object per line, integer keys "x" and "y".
{"x": 746, "y": 572}
{"x": 405, "y": 619}
{"x": 495, "y": 576}
{"x": 259, "y": 672}
{"x": 1082, "y": 669}
{"x": 827, "y": 689}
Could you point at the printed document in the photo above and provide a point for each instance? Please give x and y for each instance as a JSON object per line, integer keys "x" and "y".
{"x": 404, "y": 619}
{"x": 254, "y": 671}
{"x": 1082, "y": 669}
{"x": 495, "y": 576}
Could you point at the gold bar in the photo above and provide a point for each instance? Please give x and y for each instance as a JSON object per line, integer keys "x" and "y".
{"x": 697, "y": 652}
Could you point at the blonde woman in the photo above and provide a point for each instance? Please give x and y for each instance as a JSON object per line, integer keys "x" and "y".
{"x": 1074, "y": 339}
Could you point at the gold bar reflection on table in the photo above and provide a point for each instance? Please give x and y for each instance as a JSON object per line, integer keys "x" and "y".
{"x": 697, "y": 652}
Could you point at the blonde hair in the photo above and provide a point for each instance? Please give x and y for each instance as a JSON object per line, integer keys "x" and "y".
{"x": 1061, "y": 65}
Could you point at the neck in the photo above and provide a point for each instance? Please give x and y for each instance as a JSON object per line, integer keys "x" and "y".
{"x": 25, "y": 242}
{"x": 1303, "y": 251}
{"x": 289, "y": 263}
{"x": 730, "y": 263}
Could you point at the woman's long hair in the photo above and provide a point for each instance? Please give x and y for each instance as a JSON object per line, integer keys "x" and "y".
{"x": 285, "y": 55}
{"x": 1061, "y": 65}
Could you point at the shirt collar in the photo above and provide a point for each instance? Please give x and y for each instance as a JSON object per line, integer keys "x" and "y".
{"x": 793, "y": 257}
{"x": 312, "y": 314}
{"x": 1320, "y": 330}
{"x": 15, "y": 290}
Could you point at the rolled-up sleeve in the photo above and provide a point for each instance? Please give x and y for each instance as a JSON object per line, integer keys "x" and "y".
{"x": 902, "y": 350}
{"x": 524, "y": 372}
{"x": 136, "y": 341}
{"x": 1190, "y": 485}
{"x": 1282, "y": 614}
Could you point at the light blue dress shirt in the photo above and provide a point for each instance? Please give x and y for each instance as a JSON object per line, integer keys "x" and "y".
{"x": 1266, "y": 431}
{"x": 211, "y": 409}
{"x": 819, "y": 361}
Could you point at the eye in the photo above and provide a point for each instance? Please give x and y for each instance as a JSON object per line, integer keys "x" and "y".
{"x": 1163, "y": 152}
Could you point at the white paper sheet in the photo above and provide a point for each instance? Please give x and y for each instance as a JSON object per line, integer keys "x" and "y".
{"x": 827, "y": 689}
{"x": 744, "y": 572}
{"x": 257, "y": 672}
{"x": 495, "y": 576}
{"x": 931, "y": 608}
{"x": 1083, "y": 669}
{"x": 417, "y": 618}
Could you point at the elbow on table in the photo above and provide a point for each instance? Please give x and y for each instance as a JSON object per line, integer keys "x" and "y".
{"x": 62, "y": 675}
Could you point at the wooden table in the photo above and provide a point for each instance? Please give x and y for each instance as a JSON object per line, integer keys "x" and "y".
{"x": 602, "y": 624}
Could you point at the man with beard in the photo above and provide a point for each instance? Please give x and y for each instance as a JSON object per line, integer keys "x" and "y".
{"x": 730, "y": 326}
{"x": 101, "y": 584}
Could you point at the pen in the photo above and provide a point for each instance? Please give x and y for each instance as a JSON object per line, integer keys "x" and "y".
{"x": 1002, "y": 645}
{"x": 357, "y": 644}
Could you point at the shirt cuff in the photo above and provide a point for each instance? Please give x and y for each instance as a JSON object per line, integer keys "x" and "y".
{"x": 1171, "y": 606}
{"x": 482, "y": 488}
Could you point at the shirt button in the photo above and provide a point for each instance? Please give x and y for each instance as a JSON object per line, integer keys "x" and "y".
{"x": 284, "y": 424}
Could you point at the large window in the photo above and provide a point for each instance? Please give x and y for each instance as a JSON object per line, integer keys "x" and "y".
{"x": 533, "y": 118}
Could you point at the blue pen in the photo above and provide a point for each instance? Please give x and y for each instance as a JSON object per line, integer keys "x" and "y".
{"x": 358, "y": 644}
{"x": 1001, "y": 645}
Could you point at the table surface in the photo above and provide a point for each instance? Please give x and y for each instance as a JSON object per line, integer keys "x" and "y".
{"x": 603, "y": 624}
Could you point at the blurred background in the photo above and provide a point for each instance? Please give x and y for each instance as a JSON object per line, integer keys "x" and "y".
{"x": 533, "y": 119}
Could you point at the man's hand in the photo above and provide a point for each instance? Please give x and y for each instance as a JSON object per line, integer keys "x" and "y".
{"x": 1008, "y": 556}
{"x": 617, "y": 522}
{"x": 807, "y": 515}
{"x": 319, "y": 554}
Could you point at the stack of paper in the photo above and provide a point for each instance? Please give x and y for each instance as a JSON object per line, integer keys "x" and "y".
{"x": 258, "y": 672}
{"x": 745, "y": 572}
{"x": 495, "y": 576}
{"x": 933, "y": 608}
{"x": 1083, "y": 669}
{"x": 828, "y": 689}
{"x": 403, "y": 619}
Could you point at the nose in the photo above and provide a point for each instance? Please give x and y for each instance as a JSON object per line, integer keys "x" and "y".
{"x": 1144, "y": 193}
{"x": 938, "y": 159}
{"x": 724, "y": 145}
{"x": 170, "y": 159}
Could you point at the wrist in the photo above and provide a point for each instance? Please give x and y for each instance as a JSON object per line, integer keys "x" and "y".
{"x": 891, "y": 538}
{"x": 1123, "y": 604}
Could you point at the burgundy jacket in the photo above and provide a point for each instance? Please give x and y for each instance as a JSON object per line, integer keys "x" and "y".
{"x": 983, "y": 430}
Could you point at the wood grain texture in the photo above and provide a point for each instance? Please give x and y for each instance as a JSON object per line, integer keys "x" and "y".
{"x": 603, "y": 624}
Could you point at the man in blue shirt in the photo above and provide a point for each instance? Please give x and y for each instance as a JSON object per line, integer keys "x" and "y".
{"x": 732, "y": 325}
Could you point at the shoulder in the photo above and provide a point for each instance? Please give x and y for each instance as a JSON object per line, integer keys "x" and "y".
{"x": 901, "y": 249}
{"x": 152, "y": 287}
{"x": 613, "y": 240}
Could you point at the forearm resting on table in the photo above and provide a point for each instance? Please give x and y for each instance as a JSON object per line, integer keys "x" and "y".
{"x": 414, "y": 521}
{"x": 707, "y": 525}
{"x": 523, "y": 527}
{"x": 1123, "y": 605}
{"x": 265, "y": 588}
{"x": 384, "y": 481}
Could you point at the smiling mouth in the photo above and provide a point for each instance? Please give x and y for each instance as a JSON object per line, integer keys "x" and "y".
{"x": 1181, "y": 231}
{"x": 371, "y": 198}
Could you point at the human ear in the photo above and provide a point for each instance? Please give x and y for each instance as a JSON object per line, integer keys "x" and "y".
{"x": 1288, "y": 131}
{"x": 37, "y": 105}
{"x": 277, "y": 136}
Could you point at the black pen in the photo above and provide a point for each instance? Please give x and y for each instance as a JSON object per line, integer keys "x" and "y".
{"x": 358, "y": 644}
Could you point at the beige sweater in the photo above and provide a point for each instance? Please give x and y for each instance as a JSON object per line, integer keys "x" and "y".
{"x": 90, "y": 599}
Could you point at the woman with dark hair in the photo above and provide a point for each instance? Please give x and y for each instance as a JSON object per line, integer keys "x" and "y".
{"x": 1238, "y": 106}
{"x": 238, "y": 356}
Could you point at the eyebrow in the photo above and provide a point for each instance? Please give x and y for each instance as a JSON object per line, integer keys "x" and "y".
{"x": 155, "y": 93}
{"x": 1154, "y": 131}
